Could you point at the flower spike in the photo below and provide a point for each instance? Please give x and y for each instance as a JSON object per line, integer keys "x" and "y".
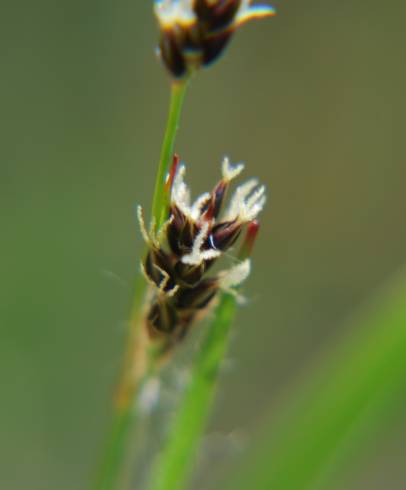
{"x": 195, "y": 236}
{"x": 194, "y": 33}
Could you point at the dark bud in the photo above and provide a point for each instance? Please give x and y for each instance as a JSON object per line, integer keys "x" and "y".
{"x": 171, "y": 51}
{"x": 161, "y": 318}
{"x": 192, "y": 40}
{"x": 249, "y": 240}
{"x": 180, "y": 232}
{"x": 172, "y": 173}
{"x": 213, "y": 207}
{"x": 224, "y": 235}
{"x": 213, "y": 47}
{"x": 158, "y": 268}
{"x": 189, "y": 275}
{"x": 216, "y": 16}
{"x": 198, "y": 297}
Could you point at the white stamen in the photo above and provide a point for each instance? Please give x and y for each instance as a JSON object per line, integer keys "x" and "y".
{"x": 229, "y": 171}
{"x": 197, "y": 255}
{"x": 236, "y": 275}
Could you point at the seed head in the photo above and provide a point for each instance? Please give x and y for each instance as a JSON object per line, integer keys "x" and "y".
{"x": 195, "y": 32}
{"x": 194, "y": 237}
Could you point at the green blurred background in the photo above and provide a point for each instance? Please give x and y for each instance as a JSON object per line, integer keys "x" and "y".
{"x": 313, "y": 100}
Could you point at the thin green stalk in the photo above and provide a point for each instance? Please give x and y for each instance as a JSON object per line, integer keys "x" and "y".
{"x": 139, "y": 359}
{"x": 173, "y": 465}
{"x": 161, "y": 198}
{"x": 114, "y": 452}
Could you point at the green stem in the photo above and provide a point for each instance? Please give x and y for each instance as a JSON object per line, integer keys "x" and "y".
{"x": 161, "y": 198}
{"x": 114, "y": 451}
{"x": 139, "y": 361}
{"x": 173, "y": 465}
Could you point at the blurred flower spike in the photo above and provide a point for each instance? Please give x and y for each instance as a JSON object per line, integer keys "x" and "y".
{"x": 195, "y": 32}
{"x": 194, "y": 237}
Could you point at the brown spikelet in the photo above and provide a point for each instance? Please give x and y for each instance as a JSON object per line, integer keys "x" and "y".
{"x": 193, "y": 239}
{"x": 195, "y": 33}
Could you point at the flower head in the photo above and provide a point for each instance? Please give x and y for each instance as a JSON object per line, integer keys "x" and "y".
{"x": 195, "y": 32}
{"x": 197, "y": 234}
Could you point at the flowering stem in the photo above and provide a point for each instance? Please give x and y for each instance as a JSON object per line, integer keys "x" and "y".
{"x": 139, "y": 361}
{"x": 173, "y": 465}
{"x": 161, "y": 198}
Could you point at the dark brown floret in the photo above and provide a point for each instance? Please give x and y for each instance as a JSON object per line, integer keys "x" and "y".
{"x": 180, "y": 232}
{"x": 224, "y": 235}
{"x": 213, "y": 206}
{"x": 198, "y": 297}
{"x": 172, "y": 54}
{"x": 162, "y": 317}
{"x": 201, "y": 43}
{"x": 213, "y": 46}
{"x": 198, "y": 39}
{"x": 182, "y": 289}
{"x": 216, "y": 16}
{"x": 158, "y": 267}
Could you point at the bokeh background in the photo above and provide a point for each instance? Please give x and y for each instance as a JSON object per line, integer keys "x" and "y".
{"x": 313, "y": 100}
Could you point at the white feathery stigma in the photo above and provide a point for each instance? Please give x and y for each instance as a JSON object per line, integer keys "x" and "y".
{"x": 180, "y": 196}
{"x": 196, "y": 208}
{"x": 236, "y": 275}
{"x": 174, "y": 12}
{"x": 197, "y": 255}
{"x": 229, "y": 171}
{"x": 180, "y": 192}
{"x": 247, "y": 202}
